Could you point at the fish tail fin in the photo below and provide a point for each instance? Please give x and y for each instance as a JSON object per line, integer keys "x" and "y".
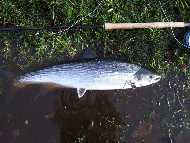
{"x": 7, "y": 88}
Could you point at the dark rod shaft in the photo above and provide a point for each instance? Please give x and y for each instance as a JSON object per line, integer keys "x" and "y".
{"x": 56, "y": 27}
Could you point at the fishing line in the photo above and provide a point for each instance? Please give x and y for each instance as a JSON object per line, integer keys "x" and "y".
{"x": 108, "y": 26}
{"x": 59, "y": 31}
{"x": 187, "y": 37}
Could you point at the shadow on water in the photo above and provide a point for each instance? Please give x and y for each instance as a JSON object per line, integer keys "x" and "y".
{"x": 89, "y": 119}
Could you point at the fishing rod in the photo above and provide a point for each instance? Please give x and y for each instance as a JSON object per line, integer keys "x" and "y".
{"x": 54, "y": 27}
{"x": 108, "y": 26}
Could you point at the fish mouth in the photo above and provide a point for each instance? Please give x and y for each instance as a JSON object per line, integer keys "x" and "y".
{"x": 157, "y": 78}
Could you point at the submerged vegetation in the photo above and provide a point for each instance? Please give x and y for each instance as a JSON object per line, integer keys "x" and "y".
{"x": 151, "y": 47}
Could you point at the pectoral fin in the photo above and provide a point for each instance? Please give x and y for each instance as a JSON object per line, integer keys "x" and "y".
{"x": 81, "y": 92}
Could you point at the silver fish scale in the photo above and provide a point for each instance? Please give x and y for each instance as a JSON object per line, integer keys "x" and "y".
{"x": 85, "y": 73}
{"x": 96, "y": 65}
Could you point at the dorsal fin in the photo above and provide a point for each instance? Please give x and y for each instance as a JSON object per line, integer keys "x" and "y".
{"x": 87, "y": 53}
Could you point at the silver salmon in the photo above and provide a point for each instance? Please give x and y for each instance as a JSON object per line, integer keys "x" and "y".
{"x": 90, "y": 74}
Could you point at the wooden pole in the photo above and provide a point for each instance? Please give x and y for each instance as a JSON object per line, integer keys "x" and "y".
{"x": 143, "y": 25}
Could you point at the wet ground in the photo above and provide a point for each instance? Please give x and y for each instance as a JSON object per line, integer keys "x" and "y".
{"x": 156, "y": 113}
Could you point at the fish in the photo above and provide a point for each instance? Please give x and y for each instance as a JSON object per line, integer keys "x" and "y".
{"x": 86, "y": 74}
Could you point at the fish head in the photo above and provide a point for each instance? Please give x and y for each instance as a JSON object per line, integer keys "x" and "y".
{"x": 145, "y": 77}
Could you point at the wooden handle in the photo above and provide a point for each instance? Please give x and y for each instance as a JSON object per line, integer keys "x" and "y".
{"x": 143, "y": 25}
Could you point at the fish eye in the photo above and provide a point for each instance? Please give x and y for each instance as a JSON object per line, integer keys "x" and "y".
{"x": 150, "y": 77}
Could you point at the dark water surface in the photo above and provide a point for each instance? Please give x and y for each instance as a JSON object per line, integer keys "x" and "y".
{"x": 157, "y": 113}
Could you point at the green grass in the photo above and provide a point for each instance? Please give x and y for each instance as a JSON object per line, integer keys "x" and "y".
{"x": 143, "y": 46}
{"x": 147, "y": 45}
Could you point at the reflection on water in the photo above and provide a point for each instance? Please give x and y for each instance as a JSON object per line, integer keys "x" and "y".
{"x": 68, "y": 105}
{"x": 89, "y": 119}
